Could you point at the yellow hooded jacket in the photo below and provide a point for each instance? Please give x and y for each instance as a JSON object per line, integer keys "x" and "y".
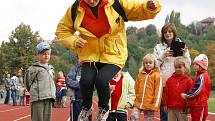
{"x": 110, "y": 48}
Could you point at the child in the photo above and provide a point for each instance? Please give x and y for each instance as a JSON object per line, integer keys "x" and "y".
{"x": 1, "y": 91}
{"x": 148, "y": 89}
{"x": 39, "y": 81}
{"x": 178, "y": 83}
{"x": 73, "y": 79}
{"x": 22, "y": 95}
{"x": 7, "y": 88}
{"x": 122, "y": 96}
{"x": 27, "y": 97}
{"x": 61, "y": 90}
{"x": 200, "y": 92}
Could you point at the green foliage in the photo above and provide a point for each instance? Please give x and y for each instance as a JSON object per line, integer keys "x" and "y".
{"x": 211, "y": 33}
{"x": 211, "y": 102}
{"x": 174, "y": 17}
{"x": 19, "y": 51}
{"x": 151, "y": 30}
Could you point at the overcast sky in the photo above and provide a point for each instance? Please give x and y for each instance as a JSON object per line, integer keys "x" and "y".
{"x": 44, "y": 15}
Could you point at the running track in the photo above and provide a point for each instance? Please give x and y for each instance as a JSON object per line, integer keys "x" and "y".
{"x": 22, "y": 113}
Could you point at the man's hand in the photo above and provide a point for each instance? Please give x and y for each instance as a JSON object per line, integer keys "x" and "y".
{"x": 80, "y": 43}
{"x": 152, "y": 4}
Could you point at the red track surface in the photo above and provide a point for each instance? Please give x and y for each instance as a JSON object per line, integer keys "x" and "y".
{"x": 22, "y": 113}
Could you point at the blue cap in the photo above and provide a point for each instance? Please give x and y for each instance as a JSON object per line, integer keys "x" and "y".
{"x": 42, "y": 46}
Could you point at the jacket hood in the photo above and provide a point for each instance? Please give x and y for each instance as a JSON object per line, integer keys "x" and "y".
{"x": 181, "y": 76}
{"x": 46, "y": 66}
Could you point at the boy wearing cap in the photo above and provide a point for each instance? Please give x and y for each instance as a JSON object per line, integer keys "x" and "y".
{"x": 39, "y": 81}
{"x": 199, "y": 94}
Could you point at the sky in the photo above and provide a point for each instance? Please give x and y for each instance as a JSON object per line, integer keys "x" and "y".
{"x": 44, "y": 15}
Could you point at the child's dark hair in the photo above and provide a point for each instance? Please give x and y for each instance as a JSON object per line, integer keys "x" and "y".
{"x": 164, "y": 30}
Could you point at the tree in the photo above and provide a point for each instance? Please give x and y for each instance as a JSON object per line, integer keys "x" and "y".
{"x": 211, "y": 33}
{"x": 151, "y": 30}
{"x": 174, "y": 18}
{"x": 19, "y": 52}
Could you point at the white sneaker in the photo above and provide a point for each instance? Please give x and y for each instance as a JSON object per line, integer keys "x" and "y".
{"x": 84, "y": 114}
{"x": 102, "y": 115}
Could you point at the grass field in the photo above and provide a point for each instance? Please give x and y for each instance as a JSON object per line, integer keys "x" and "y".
{"x": 211, "y": 102}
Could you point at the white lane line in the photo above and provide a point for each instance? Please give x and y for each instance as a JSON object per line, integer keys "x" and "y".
{"x": 22, "y": 118}
{"x": 211, "y": 113}
{"x": 11, "y": 109}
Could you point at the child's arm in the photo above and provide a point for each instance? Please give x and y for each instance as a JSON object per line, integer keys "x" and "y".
{"x": 166, "y": 93}
{"x": 71, "y": 80}
{"x": 30, "y": 77}
{"x": 131, "y": 93}
{"x": 196, "y": 90}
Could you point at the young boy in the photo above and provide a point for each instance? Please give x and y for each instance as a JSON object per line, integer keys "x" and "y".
{"x": 199, "y": 94}
{"x": 39, "y": 81}
{"x": 122, "y": 96}
{"x": 73, "y": 79}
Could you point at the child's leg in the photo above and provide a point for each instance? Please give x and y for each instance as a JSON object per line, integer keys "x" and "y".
{"x": 148, "y": 115}
{"x": 76, "y": 109}
{"x": 20, "y": 101}
{"x": 121, "y": 116}
{"x": 163, "y": 114}
{"x": 64, "y": 101}
{"x": 112, "y": 116}
{"x": 182, "y": 115}
{"x": 199, "y": 113}
{"x": 27, "y": 99}
{"x": 47, "y": 110}
{"x": 172, "y": 114}
{"x": 135, "y": 114}
{"x": 37, "y": 109}
{"x": 205, "y": 115}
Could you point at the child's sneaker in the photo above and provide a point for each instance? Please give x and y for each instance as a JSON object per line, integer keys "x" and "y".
{"x": 102, "y": 115}
{"x": 84, "y": 114}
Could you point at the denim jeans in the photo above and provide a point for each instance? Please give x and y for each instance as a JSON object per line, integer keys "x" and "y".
{"x": 98, "y": 75}
{"x": 14, "y": 96}
{"x": 75, "y": 109}
{"x": 163, "y": 114}
{"x": 22, "y": 100}
{"x": 7, "y": 98}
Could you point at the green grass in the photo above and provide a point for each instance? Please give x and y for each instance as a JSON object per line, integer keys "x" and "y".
{"x": 211, "y": 102}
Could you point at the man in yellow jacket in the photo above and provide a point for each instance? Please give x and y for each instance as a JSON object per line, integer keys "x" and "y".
{"x": 101, "y": 44}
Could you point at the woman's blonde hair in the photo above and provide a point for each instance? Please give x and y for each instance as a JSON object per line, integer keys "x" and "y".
{"x": 148, "y": 57}
{"x": 182, "y": 61}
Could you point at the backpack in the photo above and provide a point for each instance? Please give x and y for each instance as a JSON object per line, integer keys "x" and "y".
{"x": 116, "y": 5}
